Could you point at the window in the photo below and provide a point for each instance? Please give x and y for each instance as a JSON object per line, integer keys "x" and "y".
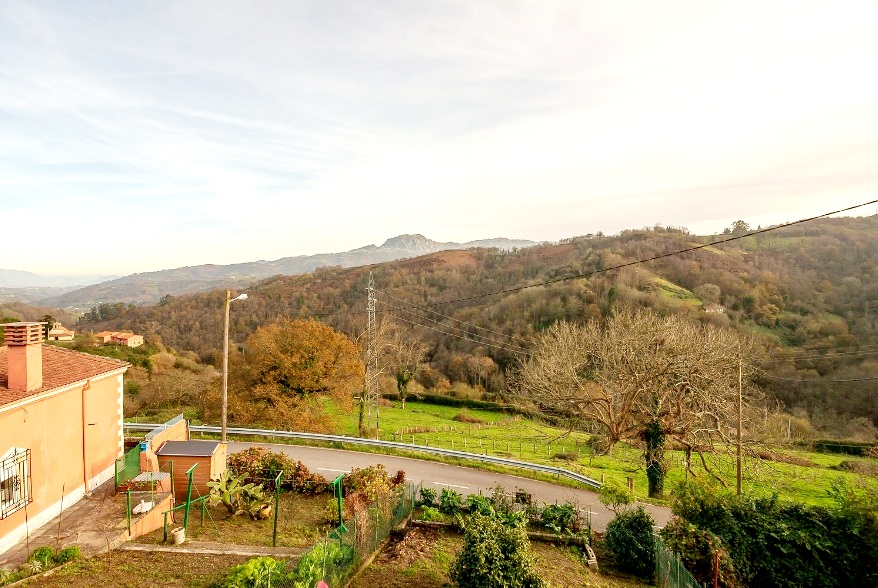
{"x": 15, "y": 490}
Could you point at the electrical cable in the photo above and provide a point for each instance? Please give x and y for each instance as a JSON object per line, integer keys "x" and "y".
{"x": 514, "y": 351}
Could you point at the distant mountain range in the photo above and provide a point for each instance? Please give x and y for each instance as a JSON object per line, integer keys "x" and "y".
{"x": 149, "y": 287}
{"x": 10, "y": 278}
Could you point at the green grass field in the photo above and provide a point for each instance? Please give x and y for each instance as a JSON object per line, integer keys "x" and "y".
{"x": 516, "y": 437}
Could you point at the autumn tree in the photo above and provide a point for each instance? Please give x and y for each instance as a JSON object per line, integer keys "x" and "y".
{"x": 295, "y": 365}
{"x": 641, "y": 376}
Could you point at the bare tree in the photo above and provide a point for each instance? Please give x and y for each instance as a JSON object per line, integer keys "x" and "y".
{"x": 402, "y": 354}
{"x": 641, "y": 375}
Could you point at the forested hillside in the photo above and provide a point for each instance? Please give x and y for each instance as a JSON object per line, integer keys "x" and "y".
{"x": 810, "y": 291}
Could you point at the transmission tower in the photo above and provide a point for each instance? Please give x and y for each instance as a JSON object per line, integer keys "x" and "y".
{"x": 372, "y": 393}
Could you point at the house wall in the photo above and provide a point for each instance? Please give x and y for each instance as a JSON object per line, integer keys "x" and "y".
{"x": 75, "y": 436}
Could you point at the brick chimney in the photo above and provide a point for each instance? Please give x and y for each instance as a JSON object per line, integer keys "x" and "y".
{"x": 24, "y": 354}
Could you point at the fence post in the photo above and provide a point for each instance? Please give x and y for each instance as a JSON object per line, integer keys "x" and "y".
{"x": 128, "y": 511}
{"x": 276, "y": 507}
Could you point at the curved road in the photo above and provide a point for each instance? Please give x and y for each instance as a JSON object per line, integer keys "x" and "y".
{"x": 331, "y": 462}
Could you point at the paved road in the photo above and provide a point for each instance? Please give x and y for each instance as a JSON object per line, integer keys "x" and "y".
{"x": 331, "y": 462}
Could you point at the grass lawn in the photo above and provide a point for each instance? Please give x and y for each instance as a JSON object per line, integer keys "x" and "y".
{"x": 517, "y": 437}
{"x": 422, "y": 560}
{"x": 301, "y": 522}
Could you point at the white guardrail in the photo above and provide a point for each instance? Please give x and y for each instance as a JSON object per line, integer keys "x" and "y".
{"x": 378, "y": 443}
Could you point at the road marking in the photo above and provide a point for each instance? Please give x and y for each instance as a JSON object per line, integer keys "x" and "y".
{"x": 336, "y": 471}
{"x": 452, "y": 485}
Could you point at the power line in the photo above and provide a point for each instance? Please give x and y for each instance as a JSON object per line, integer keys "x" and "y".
{"x": 654, "y": 258}
{"x": 819, "y": 381}
{"x": 411, "y": 305}
{"x": 460, "y": 336}
{"x": 823, "y": 356}
{"x": 505, "y": 345}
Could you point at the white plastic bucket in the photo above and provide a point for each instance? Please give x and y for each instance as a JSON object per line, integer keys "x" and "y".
{"x": 179, "y": 535}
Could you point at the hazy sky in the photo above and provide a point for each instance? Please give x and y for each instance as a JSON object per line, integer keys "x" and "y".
{"x": 138, "y": 136}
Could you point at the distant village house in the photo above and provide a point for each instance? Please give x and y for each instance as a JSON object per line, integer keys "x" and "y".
{"x": 59, "y": 333}
{"x": 117, "y": 338}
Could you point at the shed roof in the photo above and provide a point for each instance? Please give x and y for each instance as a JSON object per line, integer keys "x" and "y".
{"x": 188, "y": 448}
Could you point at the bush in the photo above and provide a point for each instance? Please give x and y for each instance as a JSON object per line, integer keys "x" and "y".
{"x": 372, "y": 482}
{"x": 322, "y": 558}
{"x": 450, "y": 501}
{"x": 464, "y": 416}
{"x": 45, "y": 556}
{"x": 560, "y": 518}
{"x": 615, "y": 496}
{"x": 261, "y": 466}
{"x": 493, "y": 556}
{"x": 68, "y": 554}
{"x": 629, "y": 538}
{"x": 785, "y": 544}
{"x": 476, "y": 503}
{"x": 427, "y": 497}
{"x": 430, "y": 513}
{"x": 697, "y": 549}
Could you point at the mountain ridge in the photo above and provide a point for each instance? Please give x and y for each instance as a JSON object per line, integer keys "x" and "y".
{"x": 150, "y": 287}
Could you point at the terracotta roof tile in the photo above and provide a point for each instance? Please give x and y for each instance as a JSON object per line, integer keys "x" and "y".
{"x": 60, "y": 368}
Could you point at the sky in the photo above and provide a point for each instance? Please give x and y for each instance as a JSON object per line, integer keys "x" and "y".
{"x": 139, "y": 136}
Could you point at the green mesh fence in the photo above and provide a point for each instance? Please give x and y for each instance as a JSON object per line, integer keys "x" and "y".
{"x": 127, "y": 467}
{"x": 339, "y": 554}
{"x": 669, "y": 570}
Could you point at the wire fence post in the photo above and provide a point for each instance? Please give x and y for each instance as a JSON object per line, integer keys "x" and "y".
{"x": 276, "y": 506}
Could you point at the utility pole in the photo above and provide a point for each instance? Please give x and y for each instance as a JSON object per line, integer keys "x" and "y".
{"x": 740, "y": 419}
{"x": 372, "y": 352}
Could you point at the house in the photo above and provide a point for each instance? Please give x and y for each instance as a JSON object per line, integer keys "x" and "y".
{"x": 60, "y": 428}
{"x": 59, "y": 333}
{"x": 105, "y": 336}
{"x": 127, "y": 339}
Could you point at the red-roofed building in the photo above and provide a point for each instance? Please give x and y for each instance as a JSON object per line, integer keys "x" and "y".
{"x": 105, "y": 336}
{"x": 60, "y": 428}
{"x": 127, "y": 339}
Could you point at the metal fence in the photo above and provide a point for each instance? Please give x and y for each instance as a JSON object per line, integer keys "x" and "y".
{"x": 337, "y": 557}
{"x": 386, "y": 444}
{"x": 127, "y": 467}
{"x": 669, "y": 570}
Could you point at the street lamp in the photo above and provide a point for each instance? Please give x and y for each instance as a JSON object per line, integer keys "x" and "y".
{"x": 229, "y": 301}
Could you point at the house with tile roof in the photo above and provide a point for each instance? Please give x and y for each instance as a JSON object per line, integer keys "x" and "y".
{"x": 127, "y": 339}
{"x": 60, "y": 428}
{"x": 60, "y": 333}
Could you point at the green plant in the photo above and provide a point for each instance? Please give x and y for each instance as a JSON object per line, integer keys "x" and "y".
{"x": 479, "y": 504}
{"x": 261, "y": 466}
{"x": 450, "y": 501}
{"x": 427, "y": 496}
{"x": 371, "y": 482}
{"x": 629, "y": 538}
{"x": 615, "y": 496}
{"x": 494, "y": 555}
{"x": 321, "y": 559}
{"x": 234, "y": 494}
{"x": 258, "y": 572}
{"x": 560, "y": 518}
{"x": 698, "y": 551}
{"x": 44, "y": 555}
{"x": 430, "y": 513}
{"x": 68, "y": 554}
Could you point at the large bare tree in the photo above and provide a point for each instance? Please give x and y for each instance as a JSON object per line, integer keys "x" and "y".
{"x": 641, "y": 375}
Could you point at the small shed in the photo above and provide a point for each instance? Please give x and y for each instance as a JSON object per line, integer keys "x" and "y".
{"x": 210, "y": 457}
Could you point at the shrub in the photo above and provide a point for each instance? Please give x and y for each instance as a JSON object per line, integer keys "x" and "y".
{"x": 261, "y": 466}
{"x": 697, "y": 549}
{"x": 235, "y": 495}
{"x": 493, "y": 556}
{"x": 560, "y": 518}
{"x": 629, "y": 538}
{"x": 450, "y": 501}
{"x": 464, "y": 416}
{"x": 480, "y": 504}
{"x": 615, "y": 496}
{"x": 427, "y": 496}
{"x": 45, "y": 556}
{"x": 371, "y": 482}
{"x": 785, "y": 544}
{"x": 68, "y": 554}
